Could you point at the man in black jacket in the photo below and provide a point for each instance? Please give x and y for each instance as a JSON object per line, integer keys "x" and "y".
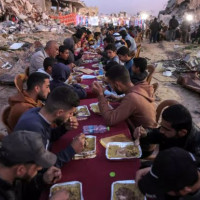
{"x": 173, "y": 24}
{"x": 59, "y": 108}
{"x": 22, "y": 155}
{"x": 154, "y": 30}
{"x": 176, "y": 130}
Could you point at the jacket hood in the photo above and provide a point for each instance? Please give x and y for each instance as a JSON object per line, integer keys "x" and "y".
{"x": 22, "y": 98}
{"x": 69, "y": 43}
{"x": 144, "y": 89}
{"x": 60, "y": 72}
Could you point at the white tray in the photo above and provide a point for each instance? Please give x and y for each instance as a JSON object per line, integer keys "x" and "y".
{"x": 68, "y": 183}
{"x": 84, "y": 114}
{"x": 122, "y": 145}
{"x": 121, "y": 182}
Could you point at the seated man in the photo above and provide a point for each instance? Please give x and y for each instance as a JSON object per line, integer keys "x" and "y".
{"x": 139, "y": 70}
{"x": 37, "y": 91}
{"x": 37, "y": 59}
{"x": 47, "y": 67}
{"x": 124, "y": 56}
{"x": 112, "y": 53}
{"x": 63, "y": 55}
{"x": 174, "y": 176}
{"x": 137, "y": 105}
{"x": 59, "y": 108}
{"x": 176, "y": 130}
{"x": 20, "y": 162}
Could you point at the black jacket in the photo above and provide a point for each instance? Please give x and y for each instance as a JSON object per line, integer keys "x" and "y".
{"x": 190, "y": 143}
{"x": 22, "y": 190}
{"x": 173, "y": 23}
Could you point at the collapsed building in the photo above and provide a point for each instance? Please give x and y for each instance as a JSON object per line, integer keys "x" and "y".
{"x": 181, "y": 7}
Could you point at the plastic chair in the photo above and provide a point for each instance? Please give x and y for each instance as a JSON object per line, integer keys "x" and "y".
{"x": 151, "y": 70}
{"x": 5, "y": 117}
{"x": 138, "y": 51}
{"x": 19, "y": 81}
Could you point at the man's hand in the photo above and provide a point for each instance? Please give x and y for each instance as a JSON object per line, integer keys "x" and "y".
{"x": 60, "y": 195}
{"x": 140, "y": 173}
{"x": 98, "y": 51}
{"x": 139, "y": 132}
{"x": 71, "y": 66}
{"x": 97, "y": 88}
{"x": 78, "y": 143}
{"x": 72, "y": 123}
{"x": 52, "y": 175}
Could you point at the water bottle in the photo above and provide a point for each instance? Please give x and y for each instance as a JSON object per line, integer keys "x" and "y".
{"x": 92, "y": 129}
{"x": 101, "y": 68}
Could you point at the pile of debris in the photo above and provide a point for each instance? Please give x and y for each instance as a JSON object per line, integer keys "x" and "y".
{"x": 27, "y": 18}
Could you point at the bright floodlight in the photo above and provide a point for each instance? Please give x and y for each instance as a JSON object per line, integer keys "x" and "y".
{"x": 189, "y": 17}
{"x": 144, "y": 16}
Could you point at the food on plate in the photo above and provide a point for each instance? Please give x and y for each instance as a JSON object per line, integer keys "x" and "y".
{"x": 95, "y": 108}
{"x": 100, "y": 78}
{"x": 82, "y": 111}
{"x": 89, "y": 144}
{"x": 115, "y": 151}
{"x": 73, "y": 189}
{"x": 84, "y": 86}
{"x": 126, "y": 192}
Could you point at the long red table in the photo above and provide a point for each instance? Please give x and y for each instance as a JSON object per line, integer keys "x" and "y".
{"x": 94, "y": 173}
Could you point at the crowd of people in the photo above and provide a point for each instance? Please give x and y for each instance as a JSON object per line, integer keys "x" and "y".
{"x": 44, "y": 111}
{"x": 157, "y": 31}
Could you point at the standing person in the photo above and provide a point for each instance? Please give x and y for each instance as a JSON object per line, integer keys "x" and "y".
{"x": 154, "y": 27}
{"x": 37, "y": 59}
{"x": 59, "y": 108}
{"x": 22, "y": 156}
{"x": 185, "y": 29}
{"x": 173, "y": 24}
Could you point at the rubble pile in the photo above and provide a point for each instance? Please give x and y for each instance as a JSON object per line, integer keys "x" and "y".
{"x": 30, "y": 18}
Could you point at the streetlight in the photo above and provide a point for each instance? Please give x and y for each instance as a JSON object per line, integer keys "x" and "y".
{"x": 189, "y": 17}
{"x": 144, "y": 16}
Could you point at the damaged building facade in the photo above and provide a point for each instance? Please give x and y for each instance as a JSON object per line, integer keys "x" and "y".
{"x": 182, "y": 7}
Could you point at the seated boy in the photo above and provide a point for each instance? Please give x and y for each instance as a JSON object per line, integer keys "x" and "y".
{"x": 111, "y": 51}
{"x": 48, "y": 64}
{"x": 139, "y": 70}
{"x": 124, "y": 56}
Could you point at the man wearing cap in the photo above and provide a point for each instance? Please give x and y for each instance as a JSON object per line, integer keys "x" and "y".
{"x": 59, "y": 108}
{"x": 22, "y": 155}
{"x": 176, "y": 130}
{"x": 173, "y": 176}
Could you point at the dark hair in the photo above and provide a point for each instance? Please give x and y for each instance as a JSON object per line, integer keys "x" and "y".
{"x": 79, "y": 33}
{"x": 76, "y": 40}
{"x": 109, "y": 40}
{"x": 48, "y": 62}
{"x": 179, "y": 117}
{"x": 63, "y": 48}
{"x": 89, "y": 32}
{"x": 62, "y": 97}
{"x": 123, "y": 51}
{"x": 118, "y": 73}
{"x": 110, "y": 64}
{"x": 123, "y": 33}
{"x": 111, "y": 47}
{"x": 140, "y": 63}
{"x": 96, "y": 34}
{"x": 36, "y": 78}
{"x": 128, "y": 42}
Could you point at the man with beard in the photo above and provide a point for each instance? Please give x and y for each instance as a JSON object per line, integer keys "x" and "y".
{"x": 176, "y": 130}
{"x": 38, "y": 88}
{"x": 22, "y": 156}
{"x": 59, "y": 108}
{"x": 138, "y": 104}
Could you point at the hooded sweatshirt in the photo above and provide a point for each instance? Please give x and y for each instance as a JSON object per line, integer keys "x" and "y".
{"x": 137, "y": 107}
{"x": 60, "y": 73}
{"x": 18, "y": 104}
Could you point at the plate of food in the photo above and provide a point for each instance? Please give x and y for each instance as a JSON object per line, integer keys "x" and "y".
{"x": 125, "y": 190}
{"x": 82, "y": 111}
{"x": 83, "y": 86}
{"x": 89, "y": 147}
{"x": 95, "y": 65}
{"x": 100, "y": 77}
{"x": 77, "y": 73}
{"x": 74, "y": 188}
{"x": 122, "y": 150}
{"x": 94, "y": 107}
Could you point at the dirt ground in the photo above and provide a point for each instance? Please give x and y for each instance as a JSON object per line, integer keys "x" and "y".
{"x": 168, "y": 89}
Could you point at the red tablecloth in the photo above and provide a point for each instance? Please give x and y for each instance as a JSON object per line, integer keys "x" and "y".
{"x": 94, "y": 173}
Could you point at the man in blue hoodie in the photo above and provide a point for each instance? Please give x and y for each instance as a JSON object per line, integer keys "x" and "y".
{"x": 59, "y": 108}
